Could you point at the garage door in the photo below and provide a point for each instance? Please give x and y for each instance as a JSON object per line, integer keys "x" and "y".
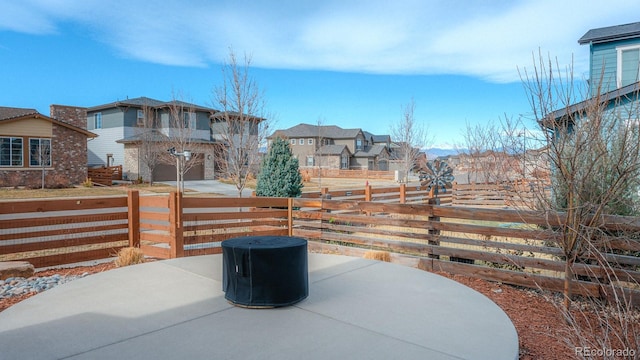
{"x": 165, "y": 172}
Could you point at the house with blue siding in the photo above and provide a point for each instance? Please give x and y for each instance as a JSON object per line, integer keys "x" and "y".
{"x": 121, "y": 125}
{"x": 614, "y": 72}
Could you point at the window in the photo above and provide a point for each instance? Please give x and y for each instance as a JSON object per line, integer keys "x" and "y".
{"x": 344, "y": 164}
{"x": 189, "y": 120}
{"x": 10, "y": 151}
{"x": 309, "y": 160}
{"x": 39, "y": 152}
{"x": 97, "y": 121}
{"x": 628, "y": 65}
{"x": 301, "y": 141}
{"x": 293, "y": 141}
{"x": 358, "y": 144}
{"x": 310, "y": 141}
{"x": 140, "y": 117}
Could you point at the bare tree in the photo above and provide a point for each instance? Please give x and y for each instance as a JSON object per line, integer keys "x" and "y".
{"x": 242, "y": 124}
{"x": 149, "y": 140}
{"x": 41, "y": 155}
{"x": 180, "y": 138}
{"x": 411, "y": 137}
{"x": 593, "y": 157}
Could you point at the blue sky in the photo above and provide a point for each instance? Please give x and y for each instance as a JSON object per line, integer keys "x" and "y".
{"x": 343, "y": 62}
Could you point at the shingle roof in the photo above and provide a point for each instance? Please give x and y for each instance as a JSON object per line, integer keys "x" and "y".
{"x": 11, "y": 112}
{"x": 156, "y": 136}
{"x": 370, "y": 151}
{"x": 617, "y": 94}
{"x": 315, "y": 131}
{"x": 611, "y": 33}
{"x": 145, "y": 101}
{"x": 331, "y": 150}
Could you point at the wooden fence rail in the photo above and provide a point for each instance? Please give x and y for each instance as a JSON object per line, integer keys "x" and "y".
{"x": 61, "y": 231}
{"x": 402, "y": 194}
{"x": 509, "y": 246}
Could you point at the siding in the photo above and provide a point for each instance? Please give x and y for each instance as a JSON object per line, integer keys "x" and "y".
{"x": 604, "y": 62}
{"x": 27, "y": 127}
{"x": 104, "y": 144}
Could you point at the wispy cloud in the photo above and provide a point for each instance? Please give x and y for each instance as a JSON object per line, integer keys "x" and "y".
{"x": 488, "y": 39}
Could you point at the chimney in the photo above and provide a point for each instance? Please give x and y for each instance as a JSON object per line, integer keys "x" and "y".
{"x": 74, "y": 115}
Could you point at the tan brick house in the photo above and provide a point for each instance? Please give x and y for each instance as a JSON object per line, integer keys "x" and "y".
{"x": 31, "y": 142}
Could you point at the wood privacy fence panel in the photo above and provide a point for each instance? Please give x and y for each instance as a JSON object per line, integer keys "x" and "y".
{"x": 105, "y": 175}
{"x": 54, "y": 232}
{"x": 499, "y": 245}
{"x": 350, "y": 174}
{"x": 395, "y": 194}
{"x": 509, "y": 246}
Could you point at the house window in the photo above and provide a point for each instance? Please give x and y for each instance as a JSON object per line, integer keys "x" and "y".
{"x": 293, "y": 141}
{"x": 189, "y": 120}
{"x": 140, "y": 117}
{"x": 358, "y": 144}
{"x": 97, "y": 120}
{"x": 344, "y": 163}
{"x": 309, "y": 160}
{"x": 628, "y": 65}
{"x": 10, "y": 151}
{"x": 39, "y": 152}
{"x": 301, "y": 141}
{"x": 310, "y": 141}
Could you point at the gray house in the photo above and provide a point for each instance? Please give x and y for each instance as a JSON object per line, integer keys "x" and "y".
{"x": 121, "y": 126}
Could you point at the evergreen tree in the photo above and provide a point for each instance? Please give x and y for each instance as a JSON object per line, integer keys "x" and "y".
{"x": 279, "y": 175}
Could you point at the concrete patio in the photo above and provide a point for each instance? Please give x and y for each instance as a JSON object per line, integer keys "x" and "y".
{"x": 175, "y": 309}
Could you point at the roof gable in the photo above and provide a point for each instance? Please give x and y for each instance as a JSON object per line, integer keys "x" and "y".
{"x": 17, "y": 114}
{"x": 611, "y": 33}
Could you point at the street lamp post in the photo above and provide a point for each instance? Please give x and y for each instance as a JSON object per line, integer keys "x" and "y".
{"x": 180, "y": 157}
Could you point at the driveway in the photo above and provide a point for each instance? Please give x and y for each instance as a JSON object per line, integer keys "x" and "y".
{"x": 211, "y": 186}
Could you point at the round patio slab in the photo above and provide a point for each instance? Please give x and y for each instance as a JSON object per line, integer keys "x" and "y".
{"x": 356, "y": 309}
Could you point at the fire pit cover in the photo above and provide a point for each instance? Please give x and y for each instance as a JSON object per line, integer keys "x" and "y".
{"x": 265, "y": 271}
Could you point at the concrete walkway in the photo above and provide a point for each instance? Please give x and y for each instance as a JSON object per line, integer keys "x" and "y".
{"x": 175, "y": 309}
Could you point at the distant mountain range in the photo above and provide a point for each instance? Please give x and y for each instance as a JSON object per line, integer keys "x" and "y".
{"x": 433, "y": 153}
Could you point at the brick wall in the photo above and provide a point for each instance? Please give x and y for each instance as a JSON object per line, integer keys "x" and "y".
{"x": 73, "y": 115}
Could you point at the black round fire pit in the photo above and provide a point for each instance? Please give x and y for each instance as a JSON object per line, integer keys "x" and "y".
{"x": 265, "y": 271}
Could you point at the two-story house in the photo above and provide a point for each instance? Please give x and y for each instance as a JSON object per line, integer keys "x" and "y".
{"x": 614, "y": 71}
{"x": 333, "y": 147}
{"x": 124, "y": 125}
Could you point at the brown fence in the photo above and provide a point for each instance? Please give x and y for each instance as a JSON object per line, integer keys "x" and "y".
{"x": 61, "y": 231}
{"x": 351, "y": 174}
{"x": 500, "y": 245}
{"x": 402, "y": 194}
{"x": 105, "y": 175}
{"x": 513, "y": 194}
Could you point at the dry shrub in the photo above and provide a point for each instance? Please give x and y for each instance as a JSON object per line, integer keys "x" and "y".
{"x": 377, "y": 255}
{"x": 129, "y": 256}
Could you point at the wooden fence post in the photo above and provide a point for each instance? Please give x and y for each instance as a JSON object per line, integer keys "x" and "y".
{"x": 175, "y": 225}
{"x": 133, "y": 206}
{"x": 434, "y": 232}
{"x": 367, "y": 193}
{"x": 403, "y": 193}
{"x": 290, "y": 215}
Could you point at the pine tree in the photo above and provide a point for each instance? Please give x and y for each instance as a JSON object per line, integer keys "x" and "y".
{"x": 279, "y": 174}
